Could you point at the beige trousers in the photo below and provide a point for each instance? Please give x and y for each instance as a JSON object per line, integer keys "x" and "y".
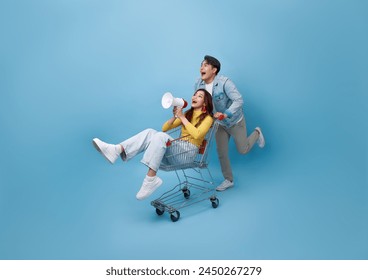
{"x": 243, "y": 144}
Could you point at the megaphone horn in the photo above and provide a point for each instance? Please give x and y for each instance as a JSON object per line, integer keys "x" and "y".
{"x": 169, "y": 100}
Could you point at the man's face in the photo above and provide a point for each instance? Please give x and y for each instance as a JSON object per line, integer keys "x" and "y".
{"x": 208, "y": 72}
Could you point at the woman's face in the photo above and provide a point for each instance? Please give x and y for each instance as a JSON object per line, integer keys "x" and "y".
{"x": 198, "y": 99}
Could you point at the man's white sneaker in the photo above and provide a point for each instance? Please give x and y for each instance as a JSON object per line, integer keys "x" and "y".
{"x": 225, "y": 185}
{"x": 150, "y": 184}
{"x": 107, "y": 150}
{"x": 260, "y": 141}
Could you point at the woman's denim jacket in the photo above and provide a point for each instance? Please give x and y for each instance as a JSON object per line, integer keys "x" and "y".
{"x": 226, "y": 99}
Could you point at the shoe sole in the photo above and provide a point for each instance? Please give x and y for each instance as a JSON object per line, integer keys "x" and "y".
{"x": 223, "y": 189}
{"x": 96, "y": 146}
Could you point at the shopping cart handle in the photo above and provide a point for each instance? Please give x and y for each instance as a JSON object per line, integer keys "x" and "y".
{"x": 221, "y": 117}
{"x": 168, "y": 143}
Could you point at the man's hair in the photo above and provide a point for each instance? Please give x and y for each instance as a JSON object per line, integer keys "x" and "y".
{"x": 214, "y": 62}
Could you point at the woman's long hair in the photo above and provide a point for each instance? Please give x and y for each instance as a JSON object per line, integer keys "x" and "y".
{"x": 208, "y": 108}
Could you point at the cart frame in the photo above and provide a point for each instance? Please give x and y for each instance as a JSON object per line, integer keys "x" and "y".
{"x": 191, "y": 189}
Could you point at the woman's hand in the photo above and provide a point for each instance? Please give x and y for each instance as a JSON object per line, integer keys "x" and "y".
{"x": 178, "y": 112}
{"x": 174, "y": 109}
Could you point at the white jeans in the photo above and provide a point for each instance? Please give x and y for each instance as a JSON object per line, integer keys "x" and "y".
{"x": 153, "y": 144}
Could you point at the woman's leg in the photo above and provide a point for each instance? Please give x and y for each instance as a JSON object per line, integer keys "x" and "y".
{"x": 127, "y": 149}
{"x": 155, "y": 151}
{"x": 152, "y": 158}
{"x": 137, "y": 143}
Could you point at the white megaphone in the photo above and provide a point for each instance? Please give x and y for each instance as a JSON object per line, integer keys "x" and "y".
{"x": 169, "y": 100}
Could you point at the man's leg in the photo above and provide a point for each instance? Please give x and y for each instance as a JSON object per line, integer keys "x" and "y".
{"x": 222, "y": 144}
{"x": 243, "y": 143}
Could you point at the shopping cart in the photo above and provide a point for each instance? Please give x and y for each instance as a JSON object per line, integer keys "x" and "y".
{"x": 191, "y": 168}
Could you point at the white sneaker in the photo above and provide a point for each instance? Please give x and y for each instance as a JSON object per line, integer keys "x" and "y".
{"x": 148, "y": 187}
{"x": 225, "y": 185}
{"x": 260, "y": 141}
{"x": 107, "y": 150}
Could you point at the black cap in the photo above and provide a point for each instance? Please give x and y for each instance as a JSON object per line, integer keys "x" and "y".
{"x": 213, "y": 61}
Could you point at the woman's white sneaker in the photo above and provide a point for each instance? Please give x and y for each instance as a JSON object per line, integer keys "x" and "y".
{"x": 107, "y": 150}
{"x": 150, "y": 184}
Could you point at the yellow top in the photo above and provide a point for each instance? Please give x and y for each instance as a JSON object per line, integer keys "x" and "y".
{"x": 195, "y": 134}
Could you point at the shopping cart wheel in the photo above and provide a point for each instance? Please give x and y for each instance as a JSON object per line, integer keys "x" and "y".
{"x": 215, "y": 202}
{"x": 159, "y": 211}
{"x": 174, "y": 216}
{"x": 186, "y": 193}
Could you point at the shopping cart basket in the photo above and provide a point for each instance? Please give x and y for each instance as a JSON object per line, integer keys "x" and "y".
{"x": 191, "y": 189}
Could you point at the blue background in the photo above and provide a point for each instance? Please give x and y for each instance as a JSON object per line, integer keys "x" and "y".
{"x": 74, "y": 70}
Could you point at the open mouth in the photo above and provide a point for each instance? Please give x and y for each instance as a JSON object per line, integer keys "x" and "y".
{"x": 194, "y": 102}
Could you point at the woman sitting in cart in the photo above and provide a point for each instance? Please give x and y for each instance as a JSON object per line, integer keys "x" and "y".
{"x": 195, "y": 124}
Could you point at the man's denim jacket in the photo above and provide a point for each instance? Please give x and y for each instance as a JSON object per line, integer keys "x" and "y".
{"x": 226, "y": 99}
